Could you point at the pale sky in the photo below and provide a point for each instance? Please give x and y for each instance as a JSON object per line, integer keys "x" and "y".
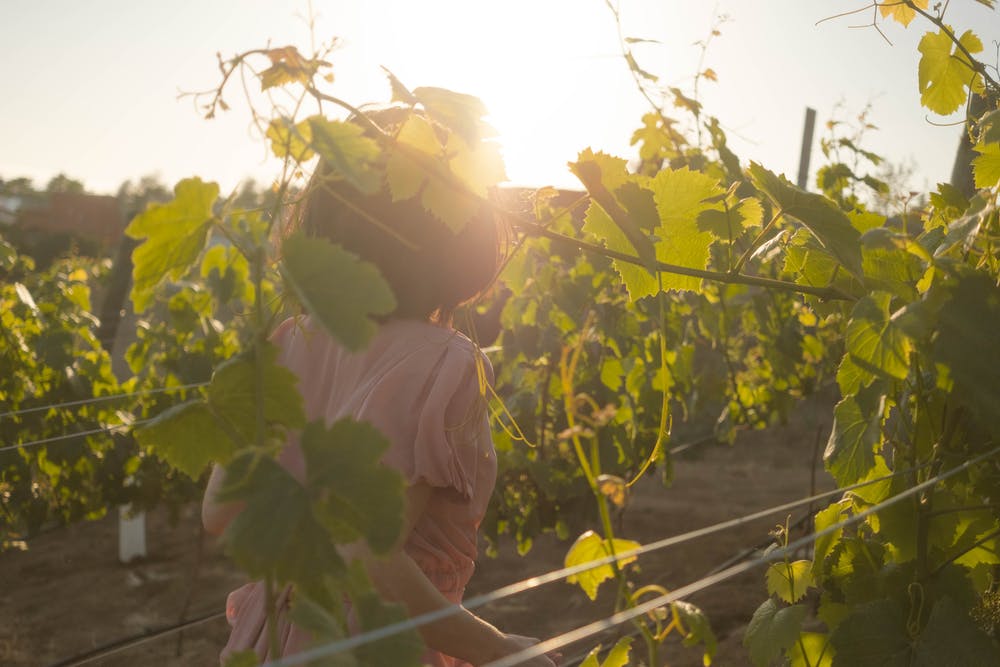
{"x": 90, "y": 88}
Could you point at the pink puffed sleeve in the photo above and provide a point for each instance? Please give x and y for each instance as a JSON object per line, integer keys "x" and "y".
{"x": 442, "y": 430}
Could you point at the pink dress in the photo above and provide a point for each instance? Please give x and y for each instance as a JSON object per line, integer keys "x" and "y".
{"x": 421, "y": 386}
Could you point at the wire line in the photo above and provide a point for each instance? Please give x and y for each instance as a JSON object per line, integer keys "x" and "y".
{"x": 100, "y": 399}
{"x": 342, "y": 645}
{"x": 70, "y": 436}
{"x": 621, "y": 617}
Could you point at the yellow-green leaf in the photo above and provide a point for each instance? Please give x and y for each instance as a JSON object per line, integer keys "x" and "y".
{"x": 188, "y": 437}
{"x": 789, "y": 581}
{"x": 176, "y": 232}
{"x": 812, "y": 650}
{"x": 347, "y": 151}
{"x": 590, "y": 547}
{"x": 290, "y": 139}
{"x": 901, "y": 12}
{"x": 986, "y": 166}
{"x": 944, "y": 73}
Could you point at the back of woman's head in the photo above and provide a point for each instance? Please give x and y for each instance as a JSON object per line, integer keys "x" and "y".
{"x": 431, "y": 269}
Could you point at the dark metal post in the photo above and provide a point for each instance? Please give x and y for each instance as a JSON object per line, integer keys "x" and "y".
{"x": 807, "y": 142}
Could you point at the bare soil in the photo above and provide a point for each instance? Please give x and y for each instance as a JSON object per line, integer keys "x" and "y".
{"x": 68, "y": 595}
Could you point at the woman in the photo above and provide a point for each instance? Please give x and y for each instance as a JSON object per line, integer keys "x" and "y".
{"x": 420, "y": 383}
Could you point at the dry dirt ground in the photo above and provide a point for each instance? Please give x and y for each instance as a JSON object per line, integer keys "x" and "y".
{"x": 67, "y": 595}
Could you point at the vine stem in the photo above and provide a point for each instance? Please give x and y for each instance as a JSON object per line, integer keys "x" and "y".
{"x": 825, "y": 293}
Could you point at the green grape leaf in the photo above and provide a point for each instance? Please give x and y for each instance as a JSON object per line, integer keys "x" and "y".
{"x": 874, "y": 341}
{"x": 772, "y": 629}
{"x": 789, "y": 581}
{"x": 850, "y": 452}
{"x": 604, "y": 177}
{"x": 807, "y": 260}
{"x": 944, "y": 74}
{"x": 358, "y": 497}
{"x": 986, "y": 166}
{"x": 233, "y": 397}
{"x": 699, "y": 630}
{"x": 851, "y": 378}
{"x": 952, "y": 638}
{"x": 966, "y": 345}
{"x": 341, "y": 291}
{"x": 290, "y": 139}
{"x": 617, "y": 657}
{"x": 590, "y": 547}
{"x": 811, "y": 650}
{"x": 188, "y": 437}
{"x": 874, "y": 635}
{"x": 460, "y": 113}
{"x": 323, "y": 626}
{"x": 900, "y": 12}
{"x": 831, "y": 226}
{"x": 682, "y": 197}
{"x": 175, "y": 234}
{"x": 402, "y": 648}
{"x": 344, "y": 148}
{"x": 824, "y": 545}
{"x": 400, "y": 93}
{"x": 276, "y": 534}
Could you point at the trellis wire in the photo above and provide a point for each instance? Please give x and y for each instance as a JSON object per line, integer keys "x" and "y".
{"x": 70, "y": 436}
{"x": 342, "y": 645}
{"x": 585, "y": 631}
{"x": 100, "y": 399}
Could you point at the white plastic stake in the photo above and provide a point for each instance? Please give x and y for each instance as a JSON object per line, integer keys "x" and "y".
{"x": 131, "y": 534}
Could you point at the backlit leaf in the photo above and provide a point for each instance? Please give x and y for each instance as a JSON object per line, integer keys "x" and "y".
{"x": 789, "y": 581}
{"x": 986, "y": 166}
{"x": 699, "y": 630}
{"x": 874, "y": 341}
{"x": 347, "y": 152}
{"x": 944, "y": 73}
{"x": 288, "y": 66}
{"x": 952, "y": 638}
{"x": 680, "y": 199}
{"x": 175, "y": 234}
{"x": 772, "y": 629}
{"x": 900, "y": 12}
{"x": 188, "y": 437}
{"x": 850, "y": 451}
{"x": 824, "y": 219}
{"x": 341, "y": 291}
{"x": 873, "y": 635}
{"x": 461, "y": 113}
{"x": 811, "y": 650}
{"x": 590, "y": 547}
{"x": 291, "y": 140}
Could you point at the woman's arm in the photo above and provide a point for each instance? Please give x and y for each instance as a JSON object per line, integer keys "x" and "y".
{"x": 215, "y": 516}
{"x": 463, "y": 635}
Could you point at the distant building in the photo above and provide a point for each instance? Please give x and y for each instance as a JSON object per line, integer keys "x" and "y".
{"x": 91, "y": 218}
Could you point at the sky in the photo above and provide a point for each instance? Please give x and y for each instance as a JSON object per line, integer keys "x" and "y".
{"x": 92, "y": 89}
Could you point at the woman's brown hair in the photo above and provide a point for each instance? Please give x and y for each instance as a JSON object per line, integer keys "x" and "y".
{"x": 431, "y": 269}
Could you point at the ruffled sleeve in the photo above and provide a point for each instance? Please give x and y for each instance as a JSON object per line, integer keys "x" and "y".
{"x": 440, "y": 432}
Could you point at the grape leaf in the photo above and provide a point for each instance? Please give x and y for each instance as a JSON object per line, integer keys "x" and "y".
{"x": 850, "y": 451}
{"x": 822, "y": 217}
{"x": 617, "y": 657}
{"x": 341, "y": 291}
{"x": 874, "y": 635}
{"x": 188, "y": 437}
{"x": 986, "y": 166}
{"x": 699, "y": 630}
{"x": 900, "y": 12}
{"x": 360, "y": 497}
{"x": 680, "y": 200}
{"x": 590, "y": 547}
{"x": 789, "y": 581}
{"x": 232, "y": 393}
{"x": 874, "y": 341}
{"x": 824, "y": 545}
{"x": 945, "y": 74}
{"x": 952, "y": 638}
{"x": 288, "y": 66}
{"x": 458, "y": 112}
{"x": 344, "y": 148}
{"x": 290, "y": 139}
{"x": 772, "y": 629}
{"x": 175, "y": 234}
